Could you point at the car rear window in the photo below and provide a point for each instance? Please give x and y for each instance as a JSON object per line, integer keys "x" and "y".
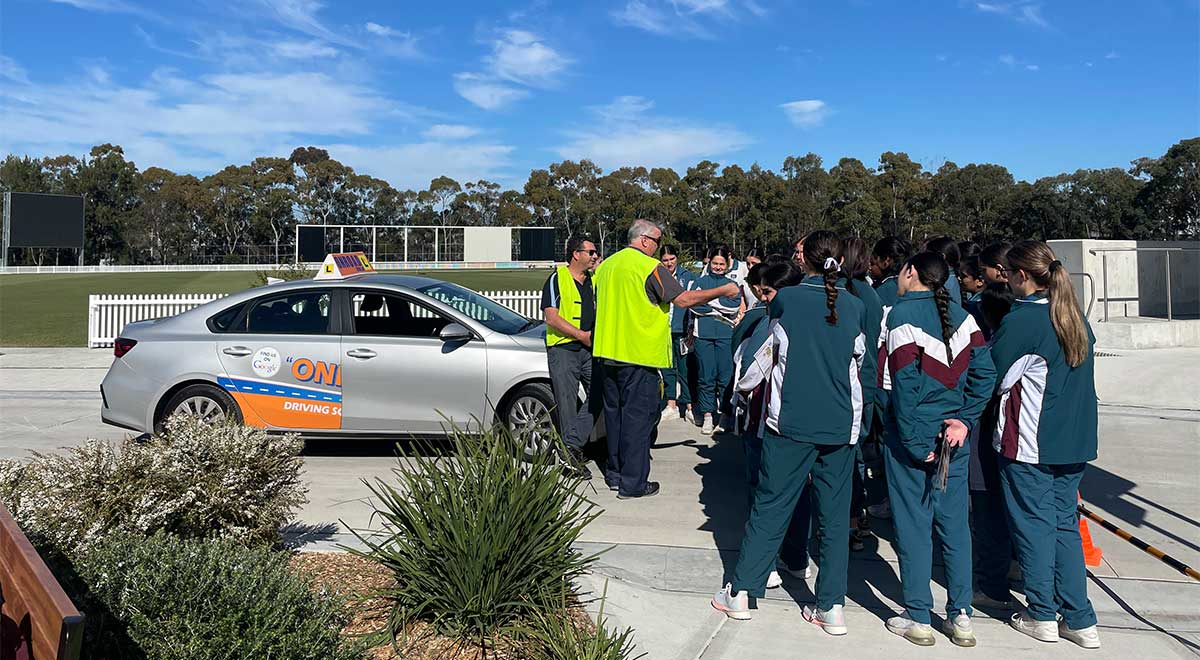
{"x": 298, "y": 312}
{"x": 223, "y": 321}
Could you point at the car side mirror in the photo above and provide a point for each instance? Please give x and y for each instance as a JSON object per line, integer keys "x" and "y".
{"x": 454, "y": 332}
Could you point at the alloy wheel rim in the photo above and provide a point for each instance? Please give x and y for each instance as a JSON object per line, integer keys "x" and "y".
{"x": 202, "y": 408}
{"x": 529, "y": 419}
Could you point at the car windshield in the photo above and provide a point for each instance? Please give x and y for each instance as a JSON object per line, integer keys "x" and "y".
{"x": 490, "y": 313}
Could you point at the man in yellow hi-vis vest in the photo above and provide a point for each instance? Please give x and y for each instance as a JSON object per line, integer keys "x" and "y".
{"x": 570, "y": 312}
{"x": 631, "y": 342}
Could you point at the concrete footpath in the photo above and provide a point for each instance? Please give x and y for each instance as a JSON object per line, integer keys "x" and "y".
{"x": 662, "y": 558}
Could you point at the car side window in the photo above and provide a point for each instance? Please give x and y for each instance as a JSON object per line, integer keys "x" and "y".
{"x": 392, "y": 315}
{"x": 296, "y": 313}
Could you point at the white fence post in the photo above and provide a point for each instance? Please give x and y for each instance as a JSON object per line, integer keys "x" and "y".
{"x": 108, "y": 314}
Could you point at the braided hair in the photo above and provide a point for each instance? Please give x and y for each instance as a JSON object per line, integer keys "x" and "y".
{"x": 932, "y": 271}
{"x": 822, "y": 256}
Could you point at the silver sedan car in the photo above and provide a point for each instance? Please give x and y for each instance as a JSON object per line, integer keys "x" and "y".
{"x": 370, "y": 355}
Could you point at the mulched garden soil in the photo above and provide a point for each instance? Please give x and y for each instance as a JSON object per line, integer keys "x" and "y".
{"x": 357, "y": 579}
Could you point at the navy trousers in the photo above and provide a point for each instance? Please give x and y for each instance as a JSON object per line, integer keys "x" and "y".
{"x": 631, "y": 414}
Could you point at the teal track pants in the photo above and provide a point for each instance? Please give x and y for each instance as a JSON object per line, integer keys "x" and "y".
{"x": 715, "y": 359}
{"x": 786, "y": 466}
{"x": 918, "y": 509}
{"x": 1044, "y": 521}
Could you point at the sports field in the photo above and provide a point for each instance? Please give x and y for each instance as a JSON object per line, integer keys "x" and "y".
{"x": 51, "y": 310}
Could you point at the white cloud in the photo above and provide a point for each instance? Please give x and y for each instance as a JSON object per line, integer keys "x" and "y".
{"x": 1032, "y": 67}
{"x": 1088, "y": 64}
{"x": 303, "y": 50}
{"x": 450, "y": 132}
{"x": 381, "y": 30}
{"x": 1008, "y": 60}
{"x": 624, "y": 133}
{"x": 519, "y": 59}
{"x": 189, "y": 123}
{"x": 414, "y": 165}
{"x": 10, "y": 70}
{"x": 486, "y": 92}
{"x": 806, "y": 114}
{"x": 522, "y": 57}
{"x": 110, "y": 7}
{"x": 640, "y": 15}
{"x": 684, "y": 18}
{"x": 1021, "y": 11}
{"x": 1112, "y": 55}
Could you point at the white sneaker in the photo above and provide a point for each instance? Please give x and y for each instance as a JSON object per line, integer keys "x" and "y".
{"x": 832, "y": 621}
{"x": 774, "y": 581}
{"x": 1088, "y": 638}
{"x": 721, "y": 424}
{"x": 980, "y": 599}
{"x": 669, "y": 413}
{"x": 883, "y": 510}
{"x": 1042, "y": 631}
{"x": 960, "y": 630}
{"x": 690, "y": 415}
{"x": 920, "y": 634}
{"x": 735, "y": 606}
{"x": 707, "y": 429}
{"x": 802, "y": 574}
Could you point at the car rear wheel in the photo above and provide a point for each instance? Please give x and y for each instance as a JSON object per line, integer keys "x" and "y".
{"x": 529, "y": 419}
{"x": 208, "y": 403}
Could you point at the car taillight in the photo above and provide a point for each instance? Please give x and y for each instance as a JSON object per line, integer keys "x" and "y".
{"x": 122, "y": 346}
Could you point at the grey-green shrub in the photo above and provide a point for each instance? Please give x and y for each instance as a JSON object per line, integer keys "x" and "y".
{"x": 197, "y": 480}
{"x": 478, "y": 540}
{"x": 554, "y": 635}
{"x": 166, "y": 598}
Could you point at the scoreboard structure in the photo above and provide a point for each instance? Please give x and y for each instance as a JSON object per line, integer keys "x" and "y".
{"x": 38, "y": 220}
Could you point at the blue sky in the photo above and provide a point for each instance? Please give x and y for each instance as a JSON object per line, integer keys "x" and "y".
{"x": 408, "y": 91}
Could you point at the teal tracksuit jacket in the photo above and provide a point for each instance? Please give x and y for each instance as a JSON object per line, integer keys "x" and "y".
{"x": 872, "y": 328}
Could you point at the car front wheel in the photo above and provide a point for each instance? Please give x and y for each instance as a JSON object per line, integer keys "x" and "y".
{"x": 208, "y": 403}
{"x": 528, "y": 417}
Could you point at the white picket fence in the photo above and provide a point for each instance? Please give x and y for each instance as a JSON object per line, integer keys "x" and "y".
{"x": 108, "y": 314}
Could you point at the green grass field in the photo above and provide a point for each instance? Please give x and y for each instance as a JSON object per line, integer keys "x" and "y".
{"x": 51, "y": 310}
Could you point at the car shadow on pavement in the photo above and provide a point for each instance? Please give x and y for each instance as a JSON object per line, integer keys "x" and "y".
{"x": 381, "y": 447}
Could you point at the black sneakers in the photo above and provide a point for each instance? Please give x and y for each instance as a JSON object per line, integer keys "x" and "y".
{"x": 651, "y": 491}
{"x": 574, "y": 464}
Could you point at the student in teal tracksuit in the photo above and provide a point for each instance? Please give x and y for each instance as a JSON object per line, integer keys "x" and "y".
{"x": 1045, "y": 435}
{"x": 677, "y": 387}
{"x": 887, "y": 258}
{"x": 753, "y": 359}
{"x": 714, "y": 350}
{"x": 940, "y": 376}
{"x": 813, "y": 421}
{"x": 855, "y": 264}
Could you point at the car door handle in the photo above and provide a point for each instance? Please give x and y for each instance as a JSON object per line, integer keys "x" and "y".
{"x": 362, "y": 353}
{"x": 237, "y": 351}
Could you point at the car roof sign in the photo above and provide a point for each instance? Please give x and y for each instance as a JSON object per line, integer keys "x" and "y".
{"x": 340, "y": 265}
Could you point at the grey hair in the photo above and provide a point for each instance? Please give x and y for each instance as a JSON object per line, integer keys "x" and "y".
{"x": 642, "y": 226}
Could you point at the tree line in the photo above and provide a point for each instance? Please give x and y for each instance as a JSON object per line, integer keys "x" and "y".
{"x": 155, "y": 216}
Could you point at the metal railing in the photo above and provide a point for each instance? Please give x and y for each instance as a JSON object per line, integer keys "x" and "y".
{"x": 1103, "y": 254}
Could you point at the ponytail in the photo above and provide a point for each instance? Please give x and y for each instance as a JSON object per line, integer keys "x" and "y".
{"x": 941, "y": 298}
{"x": 933, "y": 271}
{"x": 1047, "y": 272}
{"x": 831, "y": 293}
{"x": 822, "y": 250}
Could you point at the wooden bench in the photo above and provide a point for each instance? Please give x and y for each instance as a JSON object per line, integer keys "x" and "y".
{"x": 37, "y": 620}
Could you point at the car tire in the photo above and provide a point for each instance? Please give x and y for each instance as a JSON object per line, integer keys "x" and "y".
{"x": 527, "y": 416}
{"x": 208, "y": 402}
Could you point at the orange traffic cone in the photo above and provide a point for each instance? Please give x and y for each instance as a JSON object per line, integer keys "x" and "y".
{"x": 1092, "y": 555}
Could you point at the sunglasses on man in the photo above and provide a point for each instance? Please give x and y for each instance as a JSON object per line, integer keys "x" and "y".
{"x": 590, "y": 253}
